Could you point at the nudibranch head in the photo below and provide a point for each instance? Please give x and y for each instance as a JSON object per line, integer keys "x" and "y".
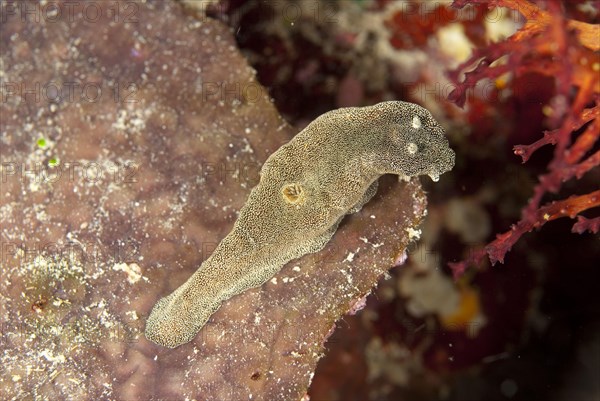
{"x": 416, "y": 144}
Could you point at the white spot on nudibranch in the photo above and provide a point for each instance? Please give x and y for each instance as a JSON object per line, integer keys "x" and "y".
{"x": 411, "y": 148}
{"x": 416, "y": 122}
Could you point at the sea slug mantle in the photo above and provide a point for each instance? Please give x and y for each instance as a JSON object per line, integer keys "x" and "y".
{"x": 306, "y": 187}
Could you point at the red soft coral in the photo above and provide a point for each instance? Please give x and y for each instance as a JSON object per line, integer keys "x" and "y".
{"x": 567, "y": 50}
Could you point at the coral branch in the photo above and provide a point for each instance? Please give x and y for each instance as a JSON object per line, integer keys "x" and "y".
{"x": 531, "y": 40}
{"x": 525, "y": 151}
{"x": 494, "y": 52}
{"x": 475, "y": 258}
{"x": 583, "y": 225}
{"x": 570, "y": 207}
{"x": 543, "y": 46}
{"x": 538, "y": 20}
{"x": 587, "y": 139}
{"x": 560, "y": 169}
{"x": 583, "y": 144}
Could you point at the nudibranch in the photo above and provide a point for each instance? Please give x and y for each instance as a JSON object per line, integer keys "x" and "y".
{"x": 306, "y": 187}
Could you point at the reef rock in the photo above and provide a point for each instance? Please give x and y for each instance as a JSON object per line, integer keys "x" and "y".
{"x": 131, "y": 135}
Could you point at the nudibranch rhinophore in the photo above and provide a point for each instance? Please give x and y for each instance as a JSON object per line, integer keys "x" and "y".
{"x": 326, "y": 171}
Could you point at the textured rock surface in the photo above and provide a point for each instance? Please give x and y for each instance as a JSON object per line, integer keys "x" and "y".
{"x": 129, "y": 142}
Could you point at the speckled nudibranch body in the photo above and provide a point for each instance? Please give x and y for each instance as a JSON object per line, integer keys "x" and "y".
{"x": 306, "y": 187}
